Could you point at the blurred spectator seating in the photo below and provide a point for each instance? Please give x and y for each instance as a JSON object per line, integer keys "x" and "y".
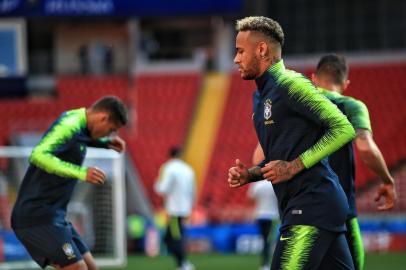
{"x": 165, "y": 105}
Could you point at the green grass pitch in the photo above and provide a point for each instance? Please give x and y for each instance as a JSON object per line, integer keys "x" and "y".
{"x": 391, "y": 261}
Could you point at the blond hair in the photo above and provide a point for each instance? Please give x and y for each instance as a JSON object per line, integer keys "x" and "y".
{"x": 266, "y": 26}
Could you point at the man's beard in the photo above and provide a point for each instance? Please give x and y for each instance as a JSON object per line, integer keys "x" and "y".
{"x": 252, "y": 73}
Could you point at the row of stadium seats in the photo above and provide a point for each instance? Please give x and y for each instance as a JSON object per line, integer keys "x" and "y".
{"x": 380, "y": 87}
{"x": 164, "y": 105}
{"x": 164, "y": 110}
{"x": 365, "y": 203}
{"x": 72, "y": 92}
{"x": 24, "y": 115}
{"x": 235, "y": 139}
{"x": 78, "y": 91}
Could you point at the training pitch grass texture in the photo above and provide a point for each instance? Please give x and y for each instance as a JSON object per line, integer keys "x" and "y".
{"x": 390, "y": 261}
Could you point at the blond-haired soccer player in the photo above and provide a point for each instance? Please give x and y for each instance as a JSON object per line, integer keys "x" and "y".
{"x": 298, "y": 128}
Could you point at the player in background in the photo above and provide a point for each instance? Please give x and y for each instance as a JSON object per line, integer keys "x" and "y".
{"x": 331, "y": 78}
{"x": 266, "y": 210}
{"x": 297, "y": 128}
{"x": 176, "y": 183}
{"x": 38, "y": 217}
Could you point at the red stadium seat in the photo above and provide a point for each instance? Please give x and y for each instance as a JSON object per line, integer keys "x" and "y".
{"x": 381, "y": 88}
{"x": 235, "y": 139}
{"x": 164, "y": 105}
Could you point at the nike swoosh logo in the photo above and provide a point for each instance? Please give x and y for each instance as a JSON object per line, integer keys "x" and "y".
{"x": 284, "y": 238}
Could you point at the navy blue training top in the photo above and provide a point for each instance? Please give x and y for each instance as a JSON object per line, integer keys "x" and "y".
{"x": 292, "y": 119}
{"x": 55, "y": 166}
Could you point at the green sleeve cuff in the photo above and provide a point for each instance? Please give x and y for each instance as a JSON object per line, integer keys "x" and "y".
{"x": 82, "y": 174}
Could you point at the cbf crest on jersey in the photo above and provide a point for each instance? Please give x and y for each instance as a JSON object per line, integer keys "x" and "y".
{"x": 68, "y": 250}
{"x": 268, "y": 112}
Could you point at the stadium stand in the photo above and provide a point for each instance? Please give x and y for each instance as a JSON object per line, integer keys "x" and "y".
{"x": 164, "y": 108}
{"x": 164, "y": 105}
{"x": 76, "y": 91}
{"x": 25, "y": 115}
{"x": 382, "y": 90}
{"x": 365, "y": 196}
{"x": 380, "y": 87}
{"x": 72, "y": 92}
{"x": 235, "y": 139}
{"x": 371, "y": 84}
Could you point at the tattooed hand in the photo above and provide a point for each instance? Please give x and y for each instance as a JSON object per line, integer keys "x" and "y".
{"x": 278, "y": 171}
{"x": 240, "y": 175}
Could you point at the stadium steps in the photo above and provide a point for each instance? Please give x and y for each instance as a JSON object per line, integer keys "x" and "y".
{"x": 200, "y": 141}
{"x": 235, "y": 139}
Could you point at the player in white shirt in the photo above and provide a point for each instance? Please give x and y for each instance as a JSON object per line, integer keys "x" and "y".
{"x": 176, "y": 184}
{"x": 266, "y": 210}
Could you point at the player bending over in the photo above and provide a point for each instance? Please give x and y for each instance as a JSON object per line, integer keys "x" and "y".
{"x": 38, "y": 217}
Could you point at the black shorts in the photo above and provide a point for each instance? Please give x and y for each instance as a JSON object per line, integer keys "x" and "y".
{"x": 50, "y": 244}
{"x": 303, "y": 247}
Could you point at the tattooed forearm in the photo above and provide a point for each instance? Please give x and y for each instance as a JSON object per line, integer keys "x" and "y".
{"x": 297, "y": 165}
{"x": 254, "y": 174}
{"x": 285, "y": 169}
